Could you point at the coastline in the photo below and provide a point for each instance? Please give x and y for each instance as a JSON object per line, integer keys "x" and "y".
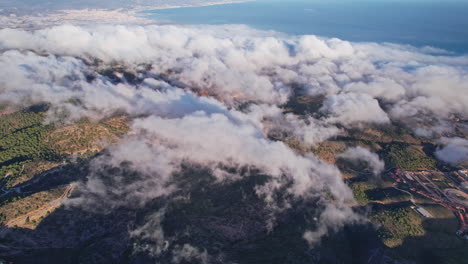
{"x": 86, "y": 16}
{"x": 220, "y": 2}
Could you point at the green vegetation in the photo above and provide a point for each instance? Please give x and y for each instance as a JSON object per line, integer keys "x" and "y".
{"x": 408, "y": 157}
{"x": 304, "y": 104}
{"x": 21, "y": 141}
{"x": 29, "y": 147}
{"x": 2, "y": 219}
{"x": 85, "y": 136}
{"x": 397, "y": 224}
{"x": 328, "y": 150}
{"x": 360, "y": 195}
{"x": 17, "y": 206}
{"x": 369, "y": 192}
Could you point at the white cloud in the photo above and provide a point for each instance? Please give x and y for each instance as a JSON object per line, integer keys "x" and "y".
{"x": 199, "y": 113}
{"x": 454, "y": 151}
{"x": 151, "y": 231}
{"x": 272, "y": 120}
{"x": 349, "y": 109}
{"x": 333, "y": 218}
{"x": 215, "y": 139}
{"x": 189, "y": 253}
{"x": 356, "y": 154}
{"x": 242, "y": 64}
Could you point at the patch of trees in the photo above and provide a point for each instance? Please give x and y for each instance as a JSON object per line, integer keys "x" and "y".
{"x": 408, "y": 157}
{"x": 21, "y": 141}
{"x": 398, "y": 223}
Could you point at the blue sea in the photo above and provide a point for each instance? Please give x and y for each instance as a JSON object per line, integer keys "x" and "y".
{"x": 441, "y": 24}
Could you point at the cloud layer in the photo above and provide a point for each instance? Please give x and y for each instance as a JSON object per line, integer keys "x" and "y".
{"x": 453, "y": 151}
{"x": 213, "y": 96}
{"x": 360, "y": 154}
{"x": 238, "y": 64}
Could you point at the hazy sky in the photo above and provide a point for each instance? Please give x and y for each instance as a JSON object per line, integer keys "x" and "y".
{"x": 60, "y": 4}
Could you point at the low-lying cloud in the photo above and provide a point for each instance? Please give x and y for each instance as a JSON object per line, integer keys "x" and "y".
{"x": 350, "y": 109}
{"x": 213, "y": 96}
{"x": 237, "y": 64}
{"x": 453, "y": 151}
{"x": 360, "y": 154}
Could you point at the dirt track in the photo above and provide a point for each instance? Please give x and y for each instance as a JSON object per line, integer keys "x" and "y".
{"x": 36, "y": 214}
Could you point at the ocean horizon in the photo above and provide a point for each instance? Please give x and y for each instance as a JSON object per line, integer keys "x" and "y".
{"x": 420, "y": 24}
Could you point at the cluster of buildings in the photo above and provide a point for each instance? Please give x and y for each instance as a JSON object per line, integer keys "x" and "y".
{"x": 455, "y": 199}
{"x": 460, "y": 178}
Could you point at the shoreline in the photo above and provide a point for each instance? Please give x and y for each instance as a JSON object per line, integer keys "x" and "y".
{"x": 149, "y": 8}
{"x": 16, "y": 19}
{"x": 136, "y": 12}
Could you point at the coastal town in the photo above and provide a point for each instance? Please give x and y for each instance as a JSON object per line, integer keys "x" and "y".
{"x": 447, "y": 189}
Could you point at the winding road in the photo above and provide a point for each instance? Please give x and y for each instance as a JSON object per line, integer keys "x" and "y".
{"x": 35, "y": 214}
